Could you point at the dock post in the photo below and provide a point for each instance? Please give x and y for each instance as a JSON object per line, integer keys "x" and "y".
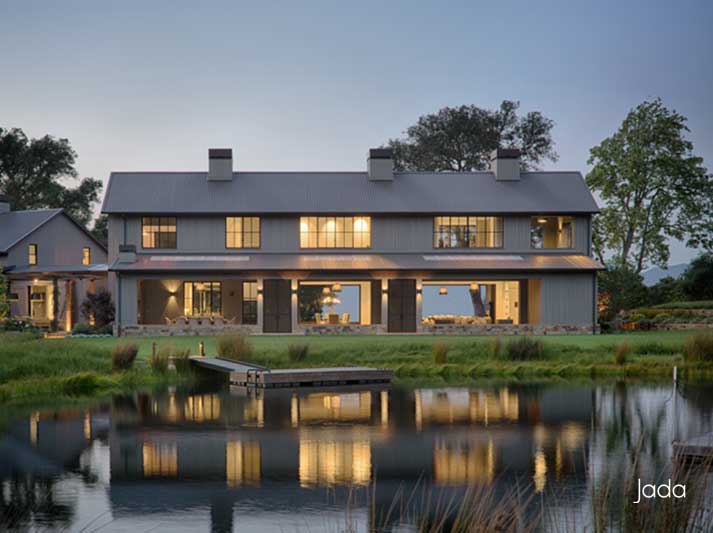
{"x": 201, "y": 349}
{"x": 674, "y": 404}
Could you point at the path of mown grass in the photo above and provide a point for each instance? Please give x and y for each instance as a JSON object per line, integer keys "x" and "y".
{"x": 653, "y": 354}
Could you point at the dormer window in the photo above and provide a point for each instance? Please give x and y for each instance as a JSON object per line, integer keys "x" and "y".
{"x": 31, "y": 254}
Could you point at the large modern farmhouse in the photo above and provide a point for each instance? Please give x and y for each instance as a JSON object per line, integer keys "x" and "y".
{"x": 374, "y": 251}
{"x": 51, "y": 262}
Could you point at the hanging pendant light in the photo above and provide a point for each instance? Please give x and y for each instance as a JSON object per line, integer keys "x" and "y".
{"x": 443, "y": 291}
{"x": 337, "y": 287}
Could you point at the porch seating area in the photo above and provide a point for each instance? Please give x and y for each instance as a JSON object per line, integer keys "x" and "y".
{"x": 197, "y": 321}
{"x": 433, "y": 320}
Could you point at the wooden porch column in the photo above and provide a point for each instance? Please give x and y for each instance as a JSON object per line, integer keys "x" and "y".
{"x": 68, "y": 297}
{"x": 294, "y": 307}
{"x": 55, "y": 304}
{"x": 260, "y": 305}
{"x": 419, "y": 303}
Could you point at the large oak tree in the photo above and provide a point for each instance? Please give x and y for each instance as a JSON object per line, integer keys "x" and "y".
{"x": 654, "y": 188}
{"x": 462, "y": 138}
{"x": 33, "y": 173}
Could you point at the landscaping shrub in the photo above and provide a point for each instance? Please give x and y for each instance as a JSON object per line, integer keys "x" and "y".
{"x": 440, "y": 352}
{"x": 621, "y": 353}
{"x": 123, "y": 356}
{"x": 82, "y": 383}
{"x": 496, "y": 348}
{"x": 699, "y": 347}
{"x": 297, "y": 352}
{"x": 525, "y": 349}
{"x": 81, "y": 329}
{"x": 99, "y": 306}
{"x": 16, "y": 324}
{"x": 237, "y": 347}
{"x": 656, "y": 348}
{"x": 159, "y": 360}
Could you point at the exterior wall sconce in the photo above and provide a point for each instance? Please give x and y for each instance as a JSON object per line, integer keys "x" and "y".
{"x": 419, "y": 291}
{"x": 442, "y": 291}
{"x": 384, "y": 291}
{"x": 259, "y": 291}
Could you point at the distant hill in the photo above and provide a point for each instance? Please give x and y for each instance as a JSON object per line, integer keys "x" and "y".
{"x": 653, "y": 275}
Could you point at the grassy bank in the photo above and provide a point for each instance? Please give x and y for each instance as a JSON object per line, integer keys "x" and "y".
{"x": 649, "y": 355}
{"x": 33, "y": 368}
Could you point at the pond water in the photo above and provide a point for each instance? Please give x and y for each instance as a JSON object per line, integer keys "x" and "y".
{"x": 288, "y": 460}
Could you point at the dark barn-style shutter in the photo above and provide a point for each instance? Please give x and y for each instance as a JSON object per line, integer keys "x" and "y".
{"x": 402, "y": 306}
{"x": 277, "y": 316}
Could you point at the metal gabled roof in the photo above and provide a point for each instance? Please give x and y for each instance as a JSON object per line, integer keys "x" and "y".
{"x": 347, "y": 192}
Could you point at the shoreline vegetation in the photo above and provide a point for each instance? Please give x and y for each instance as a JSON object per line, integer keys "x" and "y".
{"x": 32, "y": 367}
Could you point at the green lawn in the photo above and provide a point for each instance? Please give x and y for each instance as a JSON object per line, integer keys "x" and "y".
{"x": 382, "y": 344}
{"x": 52, "y": 366}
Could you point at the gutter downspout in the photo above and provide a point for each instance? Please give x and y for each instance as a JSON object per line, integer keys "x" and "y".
{"x": 118, "y": 305}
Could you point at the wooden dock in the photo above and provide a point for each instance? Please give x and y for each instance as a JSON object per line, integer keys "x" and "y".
{"x": 250, "y": 375}
{"x": 696, "y": 449}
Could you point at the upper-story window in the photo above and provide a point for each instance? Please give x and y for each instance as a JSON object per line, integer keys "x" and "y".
{"x": 335, "y": 232}
{"x": 86, "y": 256}
{"x": 242, "y": 232}
{"x": 158, "y": 232}
{"x": 31, "y": 254}
{"x": 467, "y": 232}
{"x": 551, "y": 232}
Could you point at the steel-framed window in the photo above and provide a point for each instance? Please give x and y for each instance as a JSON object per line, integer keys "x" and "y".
{"x": 249, "y": 306}
{"x": 202, "y": 298}
{"x": 467, "y": 232}
{"x": 86, "y": 256}
{"x": 552, "y": 232}
{"x": 242, "y": 232}
{"x": 158, "y": 232}
{"x": 335, "y": 232}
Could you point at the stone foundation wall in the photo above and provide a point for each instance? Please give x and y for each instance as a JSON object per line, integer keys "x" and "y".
{"x": 145, "y": 330}
{"x": 356, "y": 329}
{"x": 342, "y": 329}
{"x": 505, "y": 329}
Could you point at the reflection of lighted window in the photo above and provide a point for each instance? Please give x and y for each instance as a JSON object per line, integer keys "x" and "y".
{"x": 551, "y": 232}
{"x": 160, "y": 459}
{"x": 325, "y": 406}
{"x": 242, "y": 463}
{"x": 449, "y": 406}
{"x": 463, "y": 463}
{"x": 540, "y": 476}
{"x": 202, "y": 408}
{"x": 334, "y": 462}
{"x": 335, "y": 232}
{"x": 34, "y": 427}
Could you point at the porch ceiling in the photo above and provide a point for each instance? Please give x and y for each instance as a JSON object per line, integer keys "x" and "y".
{"x": 346, "y": 262}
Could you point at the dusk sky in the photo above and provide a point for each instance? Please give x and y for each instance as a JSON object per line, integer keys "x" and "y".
{"x": 313, "y": 85}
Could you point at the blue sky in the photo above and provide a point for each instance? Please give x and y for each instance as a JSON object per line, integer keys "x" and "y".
{"x": 313, "y": 85}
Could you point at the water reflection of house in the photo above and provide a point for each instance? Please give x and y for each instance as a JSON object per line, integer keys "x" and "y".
{"x": 275, "y": 446}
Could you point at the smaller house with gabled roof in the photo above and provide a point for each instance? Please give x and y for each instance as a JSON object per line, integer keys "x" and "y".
{"x": 50, "y": 262}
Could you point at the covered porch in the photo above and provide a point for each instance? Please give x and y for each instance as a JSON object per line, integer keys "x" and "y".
{"x": 50, "y": 297}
